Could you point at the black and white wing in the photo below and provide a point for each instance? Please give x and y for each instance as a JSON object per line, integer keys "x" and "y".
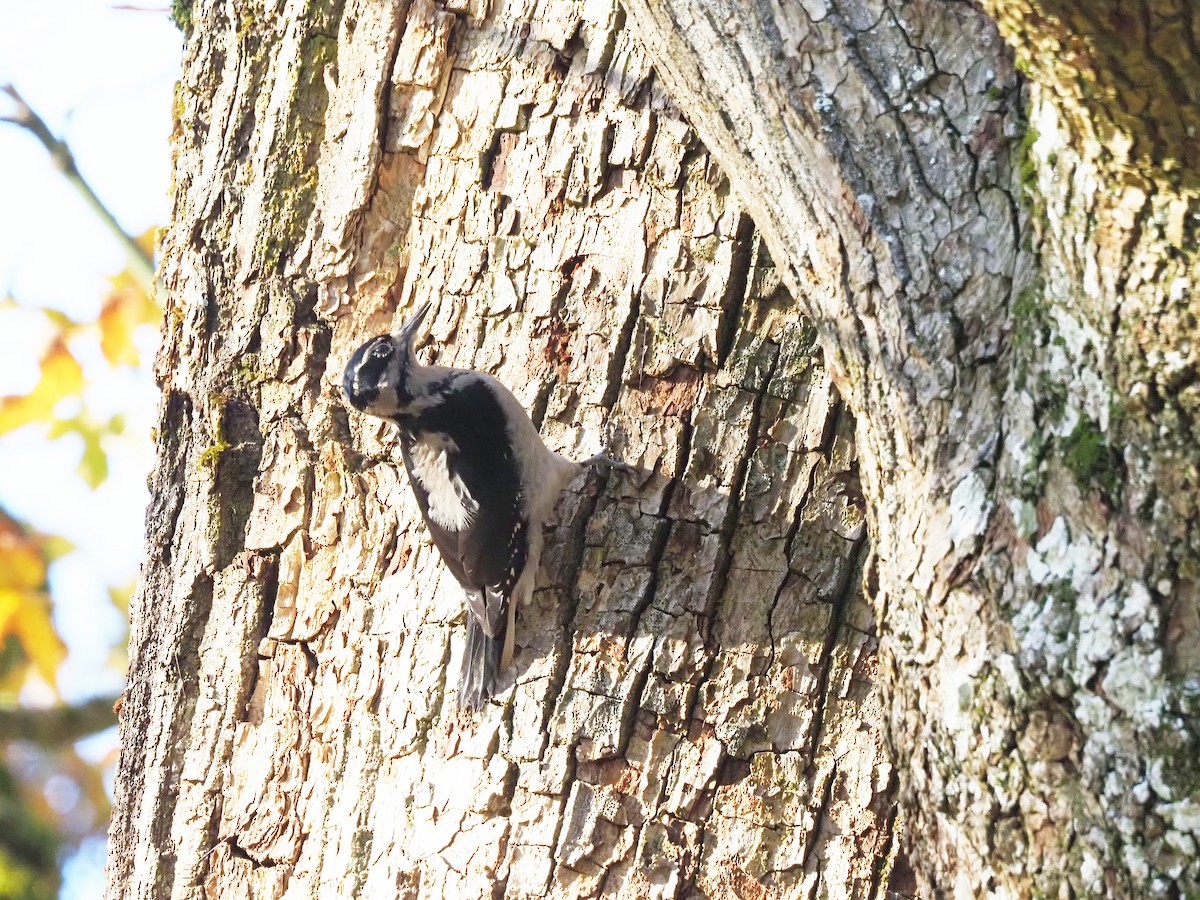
{"x": 467, "y": 483}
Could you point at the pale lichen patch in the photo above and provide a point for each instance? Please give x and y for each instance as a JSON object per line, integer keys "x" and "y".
{"x": 970, "y": 507}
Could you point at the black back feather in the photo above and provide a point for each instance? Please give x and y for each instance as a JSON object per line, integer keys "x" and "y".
{"x": 488, "y": 556}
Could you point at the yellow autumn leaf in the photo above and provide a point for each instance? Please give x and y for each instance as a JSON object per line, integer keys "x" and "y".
{"x": 10, "y": 602}
{"x": 59, "y": 427}
{"x": 24, "y": 605}
{"x": 148, "y": 239}
{"x": 20, "y": 569}
{"x": 120, "y": 596}
{"x": 44, "y": 648}
{"x": 55, "y": 546}
{"x": 63, "y": 324}
{"x": 22, "y": 563}
{"x": 11, "y": 682}
{"x": 61, "y": 377}
{"x": 93, "y": 465}
{"x": 127, "y": 307}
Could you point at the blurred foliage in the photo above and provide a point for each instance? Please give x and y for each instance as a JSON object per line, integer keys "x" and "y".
{"x": 50, "y": 796}
{"x": 29, "y": 843}
{"x": 126, "y": 308}
{"x": 181, "y": 15}
{"x": 29, "y": 846}
{"x": 27, "y": 636}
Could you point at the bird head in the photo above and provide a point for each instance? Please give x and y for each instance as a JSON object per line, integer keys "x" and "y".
{"x": 377, "y": 379}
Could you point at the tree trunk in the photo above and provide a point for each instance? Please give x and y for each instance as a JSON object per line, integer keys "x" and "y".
{"x": 696, "y": 706}
{"x": 1023, "y": 372}
{"x": 692, "y": 705}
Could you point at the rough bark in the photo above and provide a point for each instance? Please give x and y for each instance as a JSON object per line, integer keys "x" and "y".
{"x": 1024, "y": 380}
{"x": 693, "y": 706}
{"x": 999, "y": 272}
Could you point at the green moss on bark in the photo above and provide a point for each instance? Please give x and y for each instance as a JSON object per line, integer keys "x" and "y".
{"x": 1088, "y": 457}
{"x": 211, "y": 455}
{"x": 294, "y": 186}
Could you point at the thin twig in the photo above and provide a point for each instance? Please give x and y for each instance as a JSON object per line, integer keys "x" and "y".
{"x": 56, "y": 725}
{"x": 140, "y": 263}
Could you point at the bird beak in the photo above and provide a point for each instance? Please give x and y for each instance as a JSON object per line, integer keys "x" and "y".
{"x": 408, "y": 331}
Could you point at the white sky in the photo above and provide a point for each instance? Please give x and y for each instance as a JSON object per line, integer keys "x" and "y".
{"x": 102, "y": 78}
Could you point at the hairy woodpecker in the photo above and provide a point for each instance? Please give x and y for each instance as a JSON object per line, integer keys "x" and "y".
{"x": 483, "y": 479}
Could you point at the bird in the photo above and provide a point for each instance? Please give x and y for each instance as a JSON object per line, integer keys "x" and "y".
{"x": 484, "y": 480}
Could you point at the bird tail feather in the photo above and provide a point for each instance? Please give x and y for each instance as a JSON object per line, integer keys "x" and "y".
{"x": 480, "y": 665}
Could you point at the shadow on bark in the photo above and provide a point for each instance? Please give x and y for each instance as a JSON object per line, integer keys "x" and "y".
{"x": 692, "y": 707}
{"x": 692, "y": 702}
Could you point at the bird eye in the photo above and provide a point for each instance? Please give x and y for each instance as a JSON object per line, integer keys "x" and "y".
{"x": 382, "y": 350}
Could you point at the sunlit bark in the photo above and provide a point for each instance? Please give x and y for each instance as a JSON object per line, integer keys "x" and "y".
{"x": 692, "y": 706}
{"x": 997, "y": 269}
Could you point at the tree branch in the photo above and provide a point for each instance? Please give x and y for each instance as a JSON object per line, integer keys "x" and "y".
{"x": 57, "y": 724}
{"x": 140, "y": 263}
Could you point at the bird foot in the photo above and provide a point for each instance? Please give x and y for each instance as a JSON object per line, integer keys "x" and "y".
{"x": 604, "y": 462}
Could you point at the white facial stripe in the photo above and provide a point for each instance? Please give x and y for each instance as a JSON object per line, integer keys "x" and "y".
{"x": 374, "y": 381}
{"x": 450, "y": 503}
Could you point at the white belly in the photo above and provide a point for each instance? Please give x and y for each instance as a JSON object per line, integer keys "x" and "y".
{"x": 450, "y": 503}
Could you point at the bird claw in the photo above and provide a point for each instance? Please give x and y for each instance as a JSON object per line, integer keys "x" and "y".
{"x": 606, "y": 463}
